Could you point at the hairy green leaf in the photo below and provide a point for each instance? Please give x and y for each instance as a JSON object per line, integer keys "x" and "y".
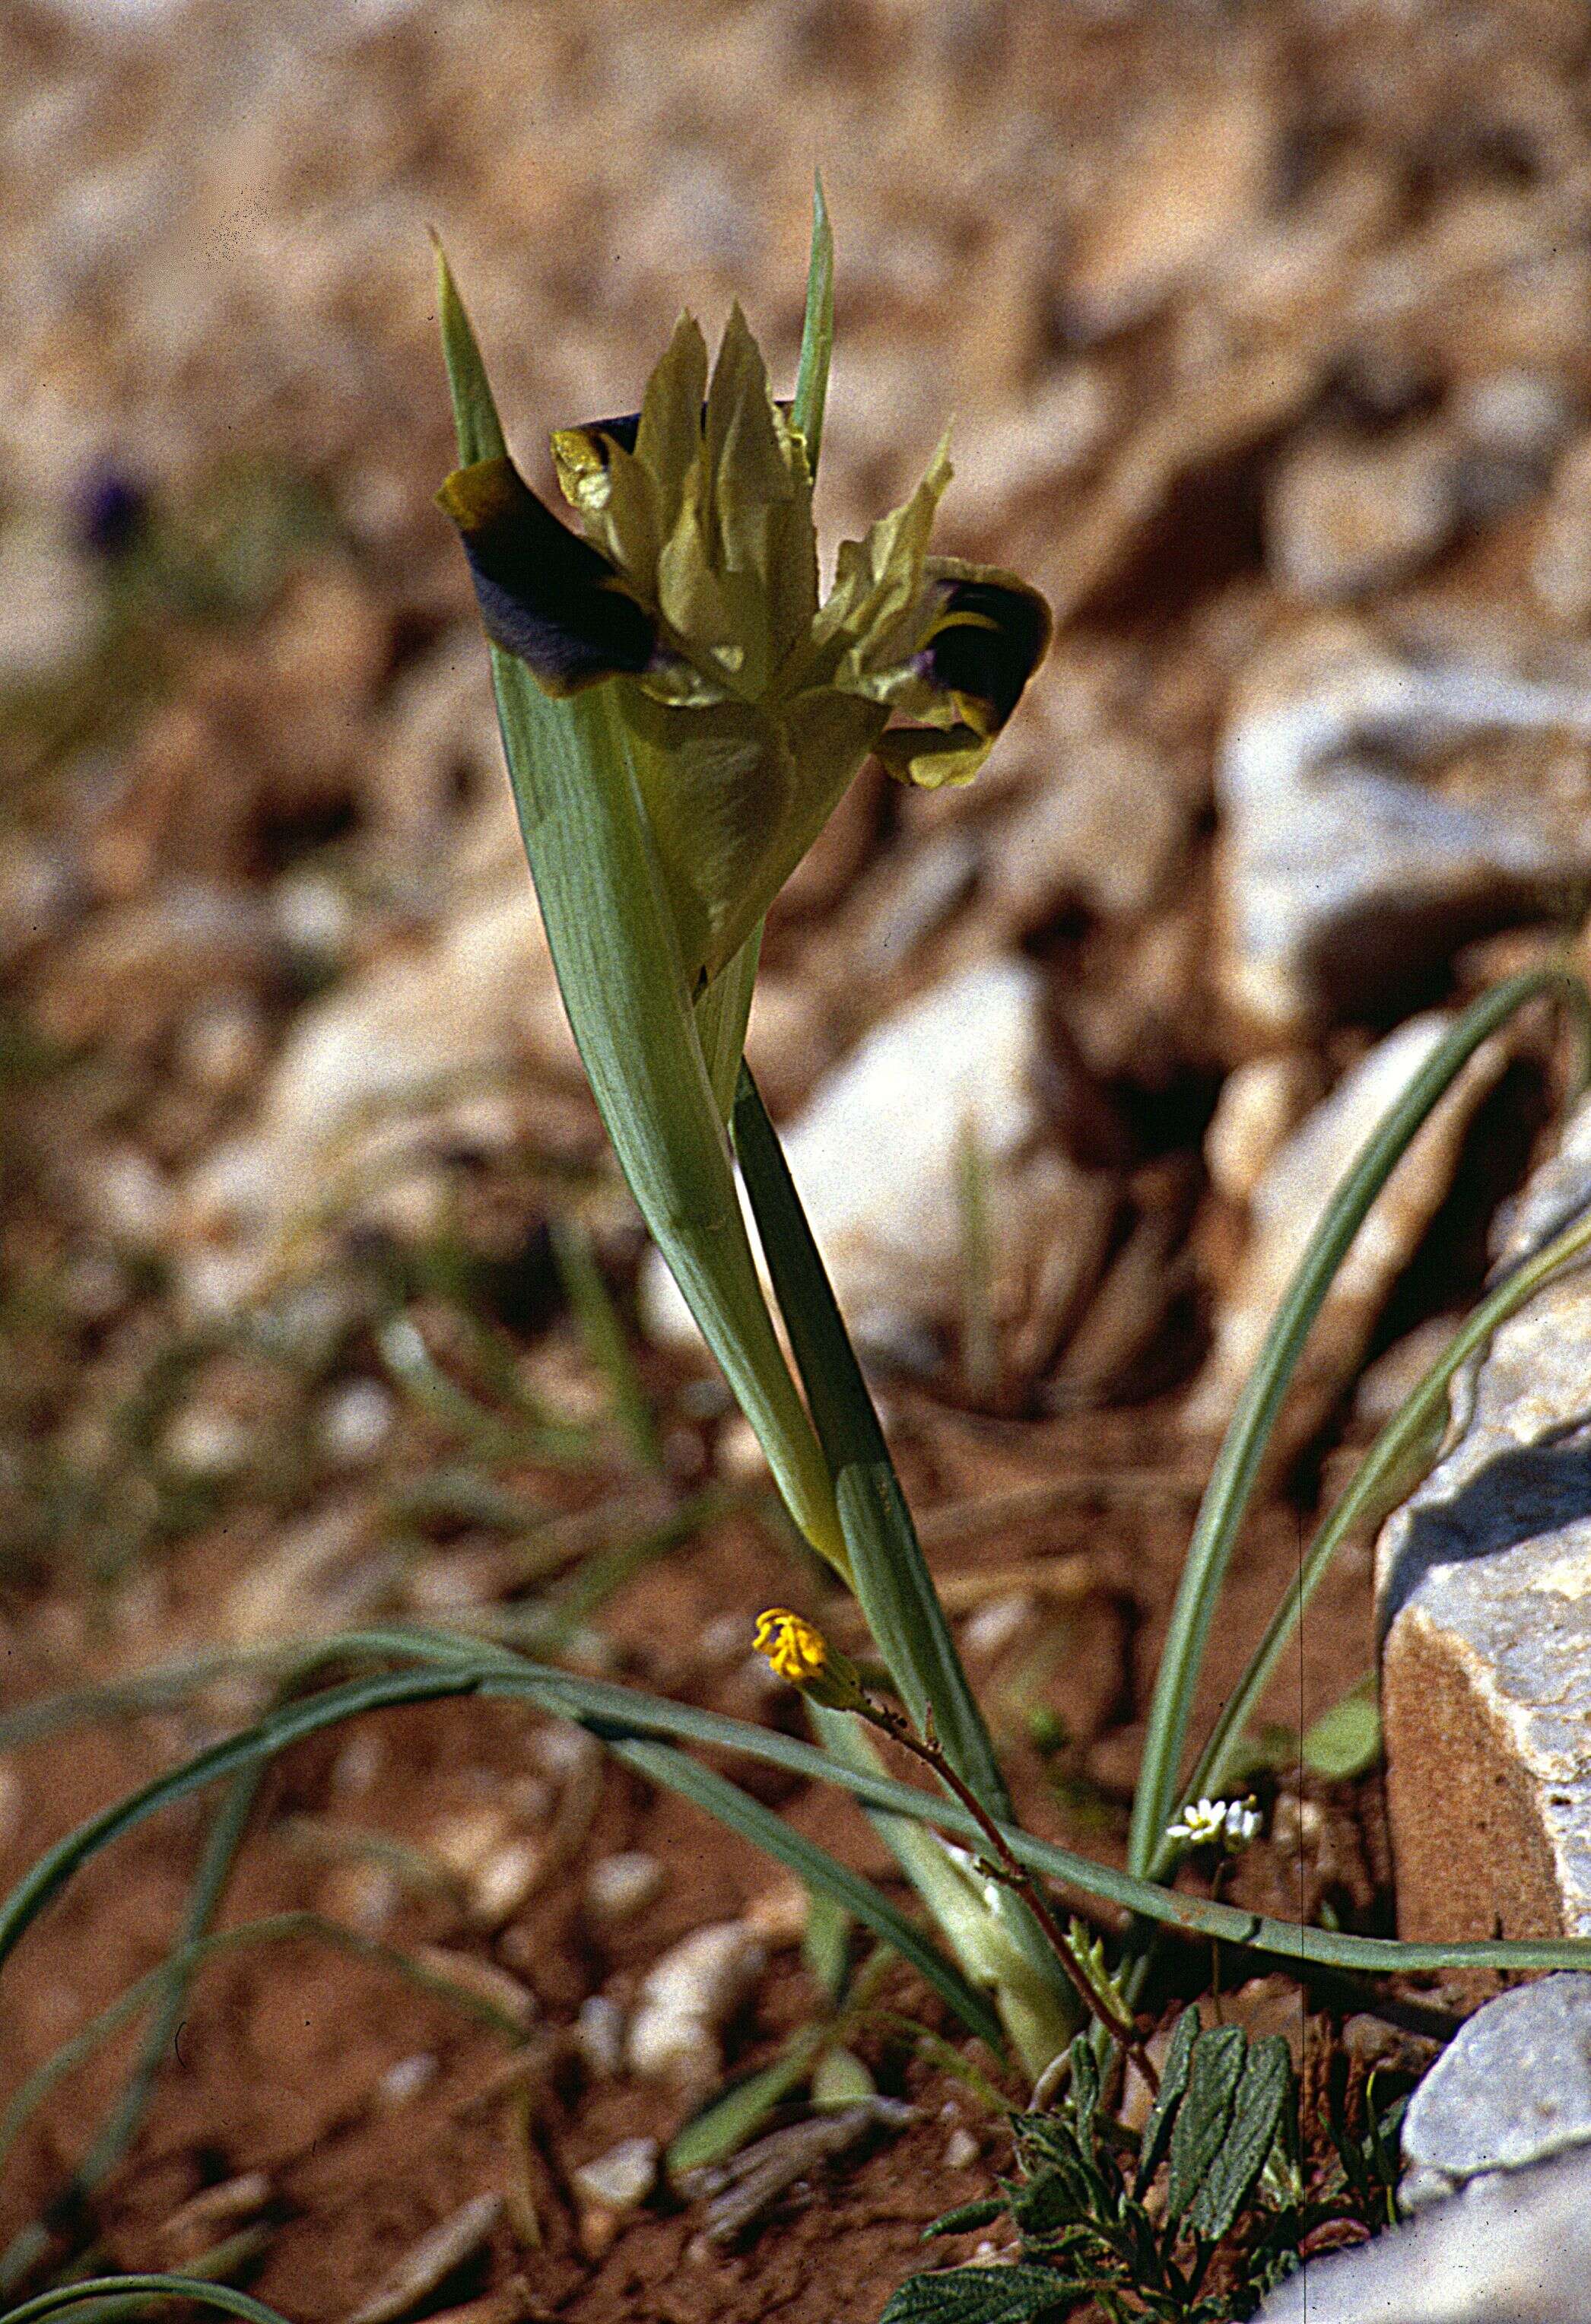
{"x": 1157, "y": 2130}
{"x": 1205, "y": 2113}
{"x": 1263, "y": 2092}
{"x": 979, "y": 2295}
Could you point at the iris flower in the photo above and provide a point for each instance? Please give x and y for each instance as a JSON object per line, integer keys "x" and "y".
{"x": 692, "y": 589}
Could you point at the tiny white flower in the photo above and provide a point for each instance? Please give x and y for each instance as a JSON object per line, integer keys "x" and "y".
{"x": 1229, "y": 1824}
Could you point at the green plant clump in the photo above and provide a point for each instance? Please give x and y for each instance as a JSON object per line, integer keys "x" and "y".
{"x": 680, "y": 710}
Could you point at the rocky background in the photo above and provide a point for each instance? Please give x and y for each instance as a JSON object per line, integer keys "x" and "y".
{"x": 1266, "y": 333}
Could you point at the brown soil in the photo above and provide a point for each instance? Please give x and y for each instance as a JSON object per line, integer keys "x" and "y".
{"x": 285, "y": 2059}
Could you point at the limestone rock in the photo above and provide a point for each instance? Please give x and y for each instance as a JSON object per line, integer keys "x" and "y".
{"x": 1512, "y": 2088}
{"x": 879, "y": 1158}
{"x": 1484, "y": 1593}
{"x": 1287, "y": 1204}
{"x": 622, "y": 2178}
{"x": 1348, "y": 517}
{"x": 690, "y": 1994}
{"x": 1515, "y": 2248}
{"x": 422, "y": 1028}
{"x": 1199, "y": 178}
{"x": 1339, "y": 875}
{"x": 1107, "y": 828}
{"x": 1261, "y": 1102}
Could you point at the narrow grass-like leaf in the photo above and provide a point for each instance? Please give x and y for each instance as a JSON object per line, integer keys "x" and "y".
{"x": 181, "y": 1965}
{"x": 722, "y": 1015}
{"x": 1345, "y": 1740}
{"x": 741, "y": 1813}
{"x": 1391, "y": 1467}
{"x": 222, "y": 1842}
{"x": 129, "y": 2295}
{"x": 724, "y": 2128}
{"x": 892, "y": 1580}
{"x": 889, "y": 1571}
{"x": 463, "y": 1668}
{"x": 603, "y": 1335}
{"x": 410, "y": 1364}
{"x": 616, "y": 956}
{"x": 811, "y": 391}
{"x": 1237, "y": 1464}
{"x": 826, "y": 1943}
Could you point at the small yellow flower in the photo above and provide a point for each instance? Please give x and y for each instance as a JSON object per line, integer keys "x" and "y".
{"x": 803, "y": 1657}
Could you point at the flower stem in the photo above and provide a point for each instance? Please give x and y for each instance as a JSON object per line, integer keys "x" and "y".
{"x": 1005, "y": 1866}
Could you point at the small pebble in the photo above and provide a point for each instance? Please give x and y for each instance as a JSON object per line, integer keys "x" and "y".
{"x": 961, "y": 2150}
{"x": 207, "y": 1442}
{"x": 996, "y": 1625}
{"x": 358, "y": 1764}
{"x": 619, "y": 1886}
{"x": 687, "y": 1996}
{"x": 464, "y": 1840}
{"x": 361, "y": 1894}
{"x": 431, "y": 2261}
{"x": 599, "y": 2036}
{"x": 779, "y": 1914}
{"x": 622, "y": 2178}
{"x": 354, "y": 1422}
{"x": 406, "y": 2078}
{"x": 563, "y": 1750}
{"x": 737, "y": 1456}
{"x": 506, "y": 1881}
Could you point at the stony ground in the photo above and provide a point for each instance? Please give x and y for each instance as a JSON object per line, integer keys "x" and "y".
{"x": 1267, "y": 335}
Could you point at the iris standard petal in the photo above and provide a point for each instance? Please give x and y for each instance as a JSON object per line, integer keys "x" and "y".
{"x": 545, "y": 595}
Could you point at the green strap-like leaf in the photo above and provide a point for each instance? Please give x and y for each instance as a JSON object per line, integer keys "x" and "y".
{"x": 616, "y": 957}
{"x": 1243, "y": 1448}
{"x": 741, "y": 1813}
{"x": 889, "y": 1571}
{"x": 133, "y": 2293}
{"x": 618, "y": 1713}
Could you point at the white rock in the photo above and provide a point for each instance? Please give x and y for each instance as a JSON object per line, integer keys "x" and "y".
{"x": 1515, "y": 2248}
{"x": 1346, "y": 517}
{"x": 1287, "y": 1204}
{"x": 365, "y": 1067}
{"x": 1484, "y": 1594}
{"x": 878, "y": 1156}
{"x": 687, "y": 1997}
{"x": 354, "y": 1422}
{"x": 1512, "y": 2088}
{"x": 1338, "y": 874}
{"x": 622, "y": 2178}
{"x": 1260, "y": 1105}
{"x": 600, "y": 2035}
{"x": 618, "y": 1886}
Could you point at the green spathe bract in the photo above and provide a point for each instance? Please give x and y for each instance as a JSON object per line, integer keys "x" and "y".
{"x": 615, "y": 949}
